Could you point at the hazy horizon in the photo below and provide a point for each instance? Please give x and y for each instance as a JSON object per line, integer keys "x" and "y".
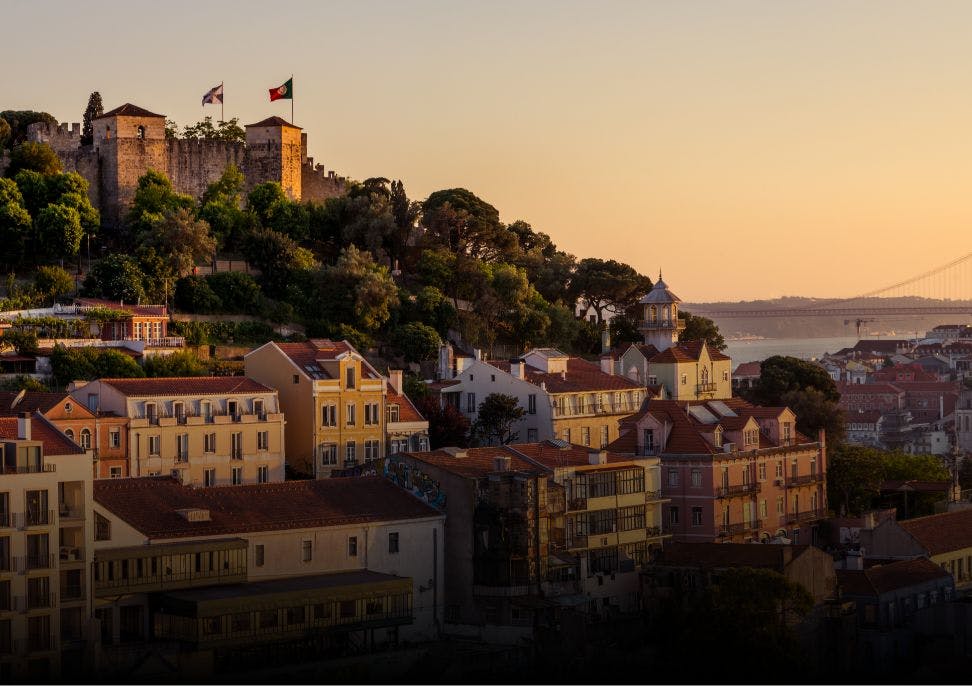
{"x": 750, "y": 150}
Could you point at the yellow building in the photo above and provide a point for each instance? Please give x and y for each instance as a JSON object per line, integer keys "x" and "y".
{"x": 692, "y": 371}
{"x": 206, "y": 431}
{"x": 46, "y": 540}
{"x": 334, "y": 401}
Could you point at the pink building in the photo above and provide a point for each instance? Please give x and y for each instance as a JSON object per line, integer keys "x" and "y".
{"x": 733, "y": 472}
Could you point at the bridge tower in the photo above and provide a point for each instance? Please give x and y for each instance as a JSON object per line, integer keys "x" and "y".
{"x": 660, "y": 324}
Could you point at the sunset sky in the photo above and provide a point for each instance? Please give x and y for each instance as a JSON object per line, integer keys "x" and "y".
{"x": 749, "y": 149}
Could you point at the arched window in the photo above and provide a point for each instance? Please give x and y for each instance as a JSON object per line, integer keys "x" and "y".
{"x": 69, "y": 433}
{"x": 652, "y": 314}
{"x": 705, "y": 375}
{"x": 85, "y": 439}
{"x": 140, "y": 133}
{"x": 107, "y": 133}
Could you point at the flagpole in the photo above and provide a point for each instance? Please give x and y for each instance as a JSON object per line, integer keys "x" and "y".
{"x": 222, "y": 105}
{"x": 291, "y": 98}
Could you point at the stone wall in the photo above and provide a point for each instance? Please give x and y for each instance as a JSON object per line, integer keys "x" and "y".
{"x": 60, "y": 138}
{"x": 317, "y": 185}
{"x": 194, "y": 164}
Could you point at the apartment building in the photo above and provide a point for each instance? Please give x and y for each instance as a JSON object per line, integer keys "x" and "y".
{"x": 206, "y": 430}
{"x": 529, "y": 523}
{"x": 564, "y": 397}
{"x": 46, "y": 540}
{"x": 246, "y": 577}
{"x": 405, "y": 427}
{"x": 105, "y": 434}
{"x": 334, "y": 401}
{"x": 734, "y": 472}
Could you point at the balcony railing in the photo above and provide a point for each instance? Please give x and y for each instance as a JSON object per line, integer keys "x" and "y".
{"x": 738, "y": 490}
{"x": 4, "y": 519}
{"x": 35, "y": 643}
{"x": 27, "y": 468}
{"x": 651, "y": 496}
{"x": 72, "y": 592}
{"x": 39, "y": 561}
{"x": 165, "y": 342}
{"x": 33, "y": 518}
{"x": 577, "y": 504}
{"x": 650, "y": 324}
{"x": 66, "y": 511}
{"x": 40, "y": 600}
{"x": 809, "y": 515}
{"x": 577, "y": 541}
{"x": 588, "y": 409}
{"x": 739, "y": 527}
{"x": 803, "y": 480}
{"x": 654, "y": 531}
{"x": 706, "y": 388}
{"x": 236, "y": 454}
{"x": 649, "y": 450}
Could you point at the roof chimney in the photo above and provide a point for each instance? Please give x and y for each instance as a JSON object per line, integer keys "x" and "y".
{"x": 605, "y": 341}
{"x": 395, "y": 378}
{"x": 516, "y": 368}
{"x": 607, "y": 363}
{"x": 597, "y": 457}
{"x": 23, "y": 426}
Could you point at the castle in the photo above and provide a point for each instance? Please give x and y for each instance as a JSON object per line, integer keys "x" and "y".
{"x": 129, "y": 140}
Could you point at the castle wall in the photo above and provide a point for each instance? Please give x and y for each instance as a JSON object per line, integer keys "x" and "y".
{"x": 194, "y": 164}
{"x": 59, "y": 138}
{"x": 273, "y": 153}
{"x": 123, "y": 161}
{"x": 317, "y": 185}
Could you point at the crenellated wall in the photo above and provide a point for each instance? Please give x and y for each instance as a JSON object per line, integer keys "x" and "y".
{"x": 194, "y": 164}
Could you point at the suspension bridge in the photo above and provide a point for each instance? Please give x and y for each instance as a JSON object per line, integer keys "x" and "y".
{"x": 947, "y": 290}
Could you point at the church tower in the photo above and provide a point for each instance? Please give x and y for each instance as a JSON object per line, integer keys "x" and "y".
{"x": 274, "y": 153}
{"x": 660, "y": 324}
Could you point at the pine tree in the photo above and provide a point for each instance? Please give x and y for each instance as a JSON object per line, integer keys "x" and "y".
{"x": 94, "y": 109}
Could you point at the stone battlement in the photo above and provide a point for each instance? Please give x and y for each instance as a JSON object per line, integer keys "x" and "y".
{"x": 59, "y": 137}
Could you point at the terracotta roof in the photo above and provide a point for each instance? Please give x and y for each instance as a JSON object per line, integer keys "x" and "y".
{"x": 942, "y": 533}
{"x": 32, "y": 401}
{"x": 864, "y": 416}
{"x": 307, "y": 354}
{"x": 880, "y": 345}
{"x": 686, "y": 352}
{"x": 129, "y": 110}
{"x": 273, "y": 121}
{"x": 187, "y": 385}
{"x": 928, "y": 386}
{"x": 407, "y": 412}
{"x": 867, "y": 388}
{"x": 748, "y": 369}
{"x": 474, "y": 462}
{"x": 647, "y": 350}
{"x": 55, "y": 443}
{"x": 724, "y": 555}
{"x": 889, "y": 577}
{"x": 142, "y": 310}
{"x": 551, "y": 455}
{"x": 580, "y": 376}
{"x": 150, "y": 505}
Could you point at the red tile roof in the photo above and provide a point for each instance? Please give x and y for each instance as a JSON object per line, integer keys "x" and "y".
{"x": 141, "y": 310}
{"x": 942, "y": 533}
{"x": 474, "y": 462}
{"x": 580, "y": 376}
{"x": 551, "y": 455}
{"x": 32, "y": 401}
{"x": 407, "y": 412}
{"x": 187, "y": 385}
{"x": 889, "y": 577}
{"x": 690, "y": 351}
{"x": 748, "y": 369}
{"x": 726, "y": 555}
{"x": 150, "y": 505}
{"x": 273, "y": 121}
{"x": 868, "y": 388}
{"x": 55, "y": 443}
{"x": 309, "y": 353}
{"x": 864, "y": 417}
{"x": 129, "y": 110}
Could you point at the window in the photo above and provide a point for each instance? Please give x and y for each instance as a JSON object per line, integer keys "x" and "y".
{"x": 532, "y": 403}
{"x": 329, "y": 415}
{"x": 649, "y": 441}
{"x": 114, "y": 438}
{"x": 531, "y": 435}
{"x": 179, "y": 411}
{"x": 631, "y": 518}
{"x": 604, "y": 436}
{"x": 268, "y": 619}
{"x": 115, "y": 472}
{"x": 684, "y": 379}
{"x": 673, "y": 515}
{"x": 86, "y": 439}
{"x": 350, "y": 414}
{"x": 696, "y": 516}
{"x": 349, "y": 380}
{"x": 233, "y": 409}
{"x": 322, "y": 611}
{"x": 209, "y": 476}
{"x": 470, "y": 402}
{"x": 295, "y": 615}
{"x": 69, "y": 433}
{"x": 371, "y": 414}
{"x": 328, "y": 452}
{"x": 236, "y": 445}
{"x": 349, "y": 453}
{"x": 372, "y": 449}
{"x": 102, "y": 528}
{"x": 296, "y": 378}
{"x": 566, "y": 434}
{"x": 352, "y": 546}
{"x": 236, "y": 476}
{"x": 258, "y": 555}
{"x": 140, "y": 133}
{"x": 263, "y": 440}
{"x": 779, "y": 504}
{"x": 206, "y": 411}
{"x": 696, "y": 478}
{"x": 258, "y": 409}
{"x": 209, "y": 443}
{"x": 762, "y": 471}
{"x": 154, "y": 443}
{"x": 306, "y": 551}
{"x": 779, "y": 469}
{"x": 393, "y": 542}
{"x": 762, "y": 509}
{"x": 393, "y": 412}
{"x": 263, "y": 474}
{"x": 182, "y": 447}
{"x": 586, "y": 435}
{"x": 673, "y": 477}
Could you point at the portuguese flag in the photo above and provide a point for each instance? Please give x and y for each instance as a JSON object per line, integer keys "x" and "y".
{"x": 284, "y": 92}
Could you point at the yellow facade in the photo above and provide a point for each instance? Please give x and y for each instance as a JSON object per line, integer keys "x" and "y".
{"x": 702, "y": 379}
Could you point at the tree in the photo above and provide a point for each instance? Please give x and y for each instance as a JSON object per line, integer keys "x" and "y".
{"x": 238, "y": 292}
{"x": 223, "y": 131}
{"x": 20, "y": 121}
{"x": 815, "y": 412}
{"x": 92, "y": 111}
{"x": 23, "y": 382}
{"x": 193, "y": 294}
{"x": 221, "y": 208}
{"x": 116, "y": 277}
{"x": 263, "y": 197}
{"x": 496, "y": 417}
{"x": 22, "y": 341}
{"x": 69, "y": 364}
{"x": 5, "y": 132}
{"x": 780, "y": 374}
{"x": 59, "y": 230}
{"x": 701, "y": 329}
{"x": 608, "y": 283}
{"x": 464, "y": 223}
{"x": 36, "y": 156}
{"x": 181, "y": 240}
{"x": 154, "y": 197}
{"x": 54, "y": 281}
{"x": 181, "y": 363}
{"x": 447, "y": 425}
{"x": 355, "y": 291}
{"x": 15, "y": 223}
{"x": 277, "y": 257}
{"x": 418, "y": 342}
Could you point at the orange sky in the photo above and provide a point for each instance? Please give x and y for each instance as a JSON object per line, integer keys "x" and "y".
{"x": 750, "y": 149}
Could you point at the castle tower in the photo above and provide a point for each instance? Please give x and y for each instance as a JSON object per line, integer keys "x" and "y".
{"x": 660, "y": 324}
{"x": 129, "y": 141}
{"x": 274, "y": 153}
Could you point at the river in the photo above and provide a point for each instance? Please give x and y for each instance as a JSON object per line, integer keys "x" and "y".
{"x": 804, "y": 348}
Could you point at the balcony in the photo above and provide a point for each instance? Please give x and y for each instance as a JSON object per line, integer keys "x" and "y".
{"x": 739, "y": 528}
{"x": 41, "y": 600}
{"x": 654, "y": 532}
{"x": 25, "y": 563}
{"x": 22, "y": 520}
{"x": 4, "y": 519}
{"x": 35, "y": 643}
{"x": 72, "y": 592}
{"x": 575, "y": 504}
{"x": 809, "y": 515}
{"x": 654, "y": 496}
{"x": 237, "y": 454}
{"x": 649, "y": 451}
{"x": 75, "y": 512}
{"x": 738, "y": 490}
{"x": 577, "y": 541}
{"x": 71, "y": 553}
{"x": 804, "y": 480}
{"x": 705, "y": 388}
{"x": 654, "y": 324}
{"x": 35, "y": 468}
{"x": 165, "y": 342}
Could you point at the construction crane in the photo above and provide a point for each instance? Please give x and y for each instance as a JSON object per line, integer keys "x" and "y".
{"x": 858, "y": 322}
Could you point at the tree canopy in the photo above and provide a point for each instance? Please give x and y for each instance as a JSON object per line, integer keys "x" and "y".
{"x": 495, "y": 419}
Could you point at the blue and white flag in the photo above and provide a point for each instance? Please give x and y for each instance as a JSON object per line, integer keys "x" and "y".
{"x": 214, "y": 96}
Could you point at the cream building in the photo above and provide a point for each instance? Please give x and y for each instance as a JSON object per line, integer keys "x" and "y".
{"x": 334, "y": 401}
{"x": 46, "y": 540}
{"x": 207, "y": 431}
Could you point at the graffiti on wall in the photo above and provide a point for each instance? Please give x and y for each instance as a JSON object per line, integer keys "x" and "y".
{"x": 414, "y": 480}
